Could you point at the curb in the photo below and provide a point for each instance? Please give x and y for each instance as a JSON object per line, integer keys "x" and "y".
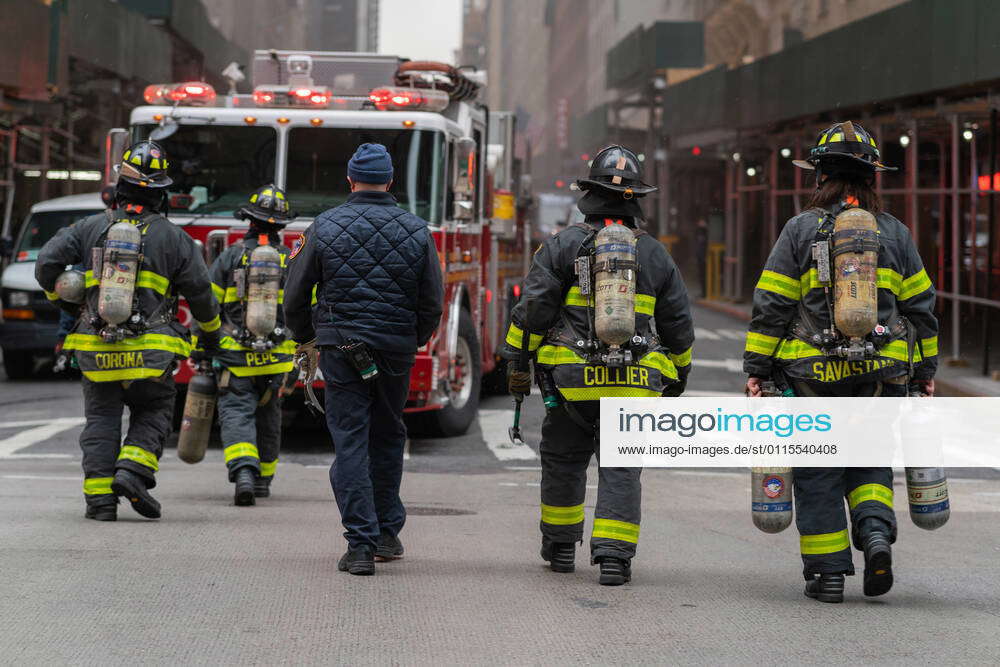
{"x": 724, "y": 308}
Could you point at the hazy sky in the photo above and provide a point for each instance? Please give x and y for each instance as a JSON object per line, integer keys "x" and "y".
{"x": 420, "y": 29}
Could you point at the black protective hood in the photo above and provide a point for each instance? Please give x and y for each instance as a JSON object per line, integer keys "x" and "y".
{"x": 603, "y": 202}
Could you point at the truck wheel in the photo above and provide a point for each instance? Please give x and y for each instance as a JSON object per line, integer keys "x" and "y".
{"x": 18, "y": 365}
{"x": 464, "y": 386}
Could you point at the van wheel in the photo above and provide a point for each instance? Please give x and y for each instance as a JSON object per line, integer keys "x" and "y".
{"x": 464, "y": 386}
{"x": 18, "y": 365}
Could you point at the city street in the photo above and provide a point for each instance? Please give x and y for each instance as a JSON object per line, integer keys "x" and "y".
{"x": 211, "y": 583}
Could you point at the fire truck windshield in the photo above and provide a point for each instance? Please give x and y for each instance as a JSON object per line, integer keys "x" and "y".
{"x": 317, "y": 168}
{"x": 218, "y": 165}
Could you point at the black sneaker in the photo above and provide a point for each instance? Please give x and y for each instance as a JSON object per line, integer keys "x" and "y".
{"x": 262, "y": 487}
{"x": 826, "y": 588}
{"x": 102, "y": 512}
{"x": 389, "y": 548}
{"x": 878, "y": 564}
{"x": 560, "y": 555}
{"x": 615, "y": 571}
{"x": 358, "y": 561}
{"x": 131, "y": 486}
{"x": 245, "y": 481}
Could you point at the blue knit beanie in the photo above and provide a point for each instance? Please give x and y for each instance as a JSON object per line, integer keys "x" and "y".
{"x": 371, "y": 164}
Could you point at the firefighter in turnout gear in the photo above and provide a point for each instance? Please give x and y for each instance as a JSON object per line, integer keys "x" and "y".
{"x": 254, "y": 363}
{"x": 843, "y": 307}
{"x": 127, "y": 357}
{"x": 556, "y": 324}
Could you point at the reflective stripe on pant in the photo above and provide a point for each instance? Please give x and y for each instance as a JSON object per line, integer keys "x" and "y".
{"x": 566, "y": 449}
{"x": 366, "y": 423}
{"x": 251, "y": 432}
{"x": 151, "y": 409}
{"x": 820, "y": 517}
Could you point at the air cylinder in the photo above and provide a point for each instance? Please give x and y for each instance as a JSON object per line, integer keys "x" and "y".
{"x": 614, "y": 284}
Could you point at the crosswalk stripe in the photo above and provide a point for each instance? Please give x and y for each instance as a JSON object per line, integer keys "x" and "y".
{"x": 731, "y": 365}
{"x": 18, "y": 441}
{"x": 705, "y": 334}
{"x": 732, "y": 334}
{"x": 494, "y": 425}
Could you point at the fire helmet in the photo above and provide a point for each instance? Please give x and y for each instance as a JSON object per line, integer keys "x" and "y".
{"x": 616, "y": 169}
{"x": 144, "y": 164}
{"x": 844, "y": 149}
{"x": 269, "y": 206}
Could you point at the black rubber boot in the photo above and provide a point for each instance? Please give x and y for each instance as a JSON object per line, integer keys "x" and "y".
{"x": 245, "y": 481}
{"x": 132, "y": 487}
{"x": 560, "y": 555}
{"x": 262, "y": 487}
{"x": 615, "y": 571}
{"x": 826, "y": 587}
{"x": 102, "y": 512}
{"x": 878, "y": 557}
{"x": 358, "y": 561}
{"x": 389, "y": 548}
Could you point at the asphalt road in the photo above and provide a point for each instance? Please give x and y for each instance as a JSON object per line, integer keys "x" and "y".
{"x": 211, "y": 583}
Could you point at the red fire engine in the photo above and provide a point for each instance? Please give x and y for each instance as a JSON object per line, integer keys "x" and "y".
{"x": 454, "y": 167}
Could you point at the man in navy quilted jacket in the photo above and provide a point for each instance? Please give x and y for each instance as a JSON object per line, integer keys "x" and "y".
{"x": 378, "y": 298}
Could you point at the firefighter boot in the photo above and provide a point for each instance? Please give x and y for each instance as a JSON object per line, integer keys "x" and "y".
{"x": 262, "y": 487}
{"x": 560, "y": 555}
{"x": 245, "y": 482}
{"x": 615, "y": 571}
{"x": 878, "y": 557}
{"x": 131, "y": 486}
{"x": 826, "y": 587}
{"x": 107, "y": 512}
{"x": 389, "y": 548}
{"x": 359, "y": 560}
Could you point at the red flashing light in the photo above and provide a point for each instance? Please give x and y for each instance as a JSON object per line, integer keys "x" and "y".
{"x": 191, "y": 92}
{"x": 560, "y": 183}
{"x": 984, "y": 181}
{"x": 263, "y": 97}
{"x": 408, "y": 99}
{"x": 696, "y": 150}
{"x": 585, "y": 157}
{"x": 489, "y": 296}
{"x": 517, "y": 291}
{"x": 279, "y": 96}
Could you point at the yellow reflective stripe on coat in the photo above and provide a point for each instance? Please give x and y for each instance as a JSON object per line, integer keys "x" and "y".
{"x": 660, "y": 362}
{"x": 97, "y": 486}
{"x": 149, "y": 341}
{"x": 314, "y": 300}
{"x": 575, "y": 298}
{"x": 268, "y": 468}
{"x": 914, "y": 285}
{"x": 645, "y": 304}
{"x": 140, "y": 456}
{"x": 153, "y": 281}
{"x": 899, "y": 350}
{"x": 230, "y": 343}
{"x": 219, "y": 292}
{"x": 89, "y": 280}
{"x": 51, "y": 296}
{"x": 827, "y": 543}
{"x": 515, "y": 336}
{"x": 212, "y": 325}
{"x": 124, "y": 374}
{"x": 866, "y": 492}
{"x": 930, "y": 346}
{"x": 616, "y": 530}
{"x": 761, "y": 343}
{"x": 270, "y": 369}
{"x": 562, "y": 516}
{"x": 792, "y": 349}
{"x": 240, "y": 449}
{"x": 771, "y": 281}
{"x": 597, "y": 393}
{"x": 682, "y": 359}
{"x": 809, "y": 280}
{"x": 553, "y": 355}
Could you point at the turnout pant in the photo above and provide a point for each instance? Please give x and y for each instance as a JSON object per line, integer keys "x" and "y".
{"x": 250, "y": 423}
{"x": 820, "y": 494}
{"x": 366, "y": 423}
{"x": 151, "y": 410}
{"x": 566, "y": 449}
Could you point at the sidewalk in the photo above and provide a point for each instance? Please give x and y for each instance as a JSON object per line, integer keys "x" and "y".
{"x": 950, "y": 380}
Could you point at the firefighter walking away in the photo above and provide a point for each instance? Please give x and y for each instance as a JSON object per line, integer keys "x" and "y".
{"x": 843, "y": 307}
{"x": 604, "y": 313}
{"x": 127, "y": 340}
{"x": 255, "y": 352}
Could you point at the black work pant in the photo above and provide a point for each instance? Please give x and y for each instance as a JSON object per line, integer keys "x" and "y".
{"x": 820, "y": 494}
{"x": 566, "y": 449}
{"x": 366, "y": 423}
{"x": 250, "y": 423}
{"x": 151, "y": 411}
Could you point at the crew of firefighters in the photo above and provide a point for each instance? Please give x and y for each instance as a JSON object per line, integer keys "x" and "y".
{"x": 603, "y": 313}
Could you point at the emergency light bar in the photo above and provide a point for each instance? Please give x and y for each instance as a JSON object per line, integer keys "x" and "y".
{"x": 409, "y": 99}
{"x": 284, "y": 96}
{"x": 194, "y": 93}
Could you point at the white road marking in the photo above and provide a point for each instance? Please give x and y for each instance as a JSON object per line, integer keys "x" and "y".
{"x": 732, "y": 334}
{"x": 19, "y": 457}
{"x": 731, "y": 365}
{"x": 406, "y": 450}
{"x": 24, "y": 439}
{"x": 494, "y": 424}
{"x": 710, "y": 393}
{"x": 60, "y": 477}
{"x": 523, "y": 468}
{"x": 707, "y": 473}
{"x": 705, "y": 334}
{"x": 534, "y": 484}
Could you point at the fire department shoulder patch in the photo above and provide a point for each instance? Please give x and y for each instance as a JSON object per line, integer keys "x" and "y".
{"x": 297, "y": 246}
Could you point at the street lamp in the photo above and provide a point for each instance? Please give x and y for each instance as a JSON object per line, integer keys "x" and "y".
{"x": 904, "y": 140}
{"x": 751, "y": 172}
{"x": 786, "y": 152}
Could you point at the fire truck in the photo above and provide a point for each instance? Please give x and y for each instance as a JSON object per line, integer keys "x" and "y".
{"x": 454, "y": 167}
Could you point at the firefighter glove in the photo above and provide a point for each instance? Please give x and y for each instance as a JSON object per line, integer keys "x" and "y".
{"x": 307, "y": 360}
{"x": 519, "y": 383}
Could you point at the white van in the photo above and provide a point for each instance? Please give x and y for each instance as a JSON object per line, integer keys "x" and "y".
{"x": 29, "y": 324}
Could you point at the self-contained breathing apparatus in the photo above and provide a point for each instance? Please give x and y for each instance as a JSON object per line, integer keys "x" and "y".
{"x": 257, "y": 288}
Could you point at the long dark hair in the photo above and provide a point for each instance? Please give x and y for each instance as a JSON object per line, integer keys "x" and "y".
{"x": 835, "y": 189}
